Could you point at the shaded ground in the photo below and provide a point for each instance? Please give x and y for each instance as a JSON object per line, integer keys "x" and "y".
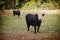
{"x": 30, "y": 36}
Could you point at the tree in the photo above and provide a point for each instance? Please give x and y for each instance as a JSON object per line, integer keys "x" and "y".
{"x": 1, "y": 4}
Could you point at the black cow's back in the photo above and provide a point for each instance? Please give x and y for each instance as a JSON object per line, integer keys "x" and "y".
{"x": 31, "y": 19}
{"x": 16, "y": 13}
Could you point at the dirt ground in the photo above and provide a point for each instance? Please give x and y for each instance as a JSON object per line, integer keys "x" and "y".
{"x": 30, "y": 36}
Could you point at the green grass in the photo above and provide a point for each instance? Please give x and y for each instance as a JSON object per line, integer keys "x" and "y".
{"x": 8, "y": 23}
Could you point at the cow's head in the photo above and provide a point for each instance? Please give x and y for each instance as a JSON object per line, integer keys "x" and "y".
{"x": 40, "y": 16}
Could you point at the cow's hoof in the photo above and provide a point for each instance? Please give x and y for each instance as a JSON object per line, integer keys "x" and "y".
{"x": 34, "y": 32}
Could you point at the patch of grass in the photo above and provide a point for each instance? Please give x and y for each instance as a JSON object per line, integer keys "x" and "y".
{"x": 50, "y": 23}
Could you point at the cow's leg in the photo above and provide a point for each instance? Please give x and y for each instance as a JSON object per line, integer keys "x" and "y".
{"x": 28, "y": 26}
{"x": 18, "y": 16}
{"x": 35, "y": 29}
{"x": 13, "y": 14}
{"x": 38, "y": 28}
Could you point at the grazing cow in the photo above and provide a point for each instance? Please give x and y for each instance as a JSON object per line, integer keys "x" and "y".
{"x": 34, "y": 20}
{"x": 16, "y": 13}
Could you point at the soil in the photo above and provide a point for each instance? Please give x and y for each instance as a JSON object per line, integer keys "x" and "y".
{"x": 30, "y": 36}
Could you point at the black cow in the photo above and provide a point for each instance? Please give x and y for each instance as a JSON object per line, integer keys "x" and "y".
{"x": 34, "y": 20}
{"x": 16, "y": 13}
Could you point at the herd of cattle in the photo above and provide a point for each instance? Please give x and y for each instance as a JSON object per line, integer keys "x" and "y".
{"x": 32, "y": 20}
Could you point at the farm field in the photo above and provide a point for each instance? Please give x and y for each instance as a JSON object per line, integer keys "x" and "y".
{"x": 14, "y": 28}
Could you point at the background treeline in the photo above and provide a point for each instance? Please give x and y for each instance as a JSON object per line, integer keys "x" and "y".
{"x": 30, "y": 4}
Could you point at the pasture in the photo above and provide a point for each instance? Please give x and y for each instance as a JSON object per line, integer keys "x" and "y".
{"x": 16, "y": 27}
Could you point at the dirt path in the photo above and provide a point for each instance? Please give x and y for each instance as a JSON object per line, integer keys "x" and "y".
{"x": 30, "y": 36}
{"x": 31, "y": 11}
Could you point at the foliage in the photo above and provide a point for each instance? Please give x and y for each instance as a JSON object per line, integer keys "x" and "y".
{"x": 39, "y": 4}
{"x": 1, "y": 4}
{"x": 30, "y": 4}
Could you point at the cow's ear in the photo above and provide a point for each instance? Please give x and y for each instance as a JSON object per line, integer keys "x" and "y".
{"x": 36, "y": 14}
{"x": 43, "y": 14}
